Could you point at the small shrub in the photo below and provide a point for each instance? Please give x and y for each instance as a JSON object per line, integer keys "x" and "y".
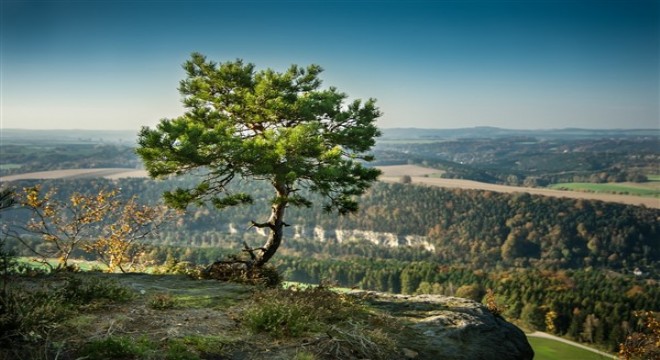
{"x": 29, "y": 315}
{"x": 295, "y": 311}
{"x": 85, "y": 290}
{"x": 162, "y": 302}
{"x": 117, "y": 348}
{"x": 279, "y": 319}
{"x": 304, "y": 355}
{"x": 211, "y": 345}
{"x": 176, "y": 267}
{"x": 32, "y": 314}
{"x": 176, "y": 350}
{"x": 492, "y": 305}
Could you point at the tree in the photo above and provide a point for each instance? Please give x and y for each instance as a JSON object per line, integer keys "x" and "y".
{"x": 280, "y": 128}
{"x": 102, "y": 223}
{"x": 120, "y": 245}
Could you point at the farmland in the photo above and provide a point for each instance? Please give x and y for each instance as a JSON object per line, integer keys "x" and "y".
{"x": 109, "y": 173}
{"x": 421, "y": 175}
{"x": 392, "y": 173}
{"x": 648, "y": 189}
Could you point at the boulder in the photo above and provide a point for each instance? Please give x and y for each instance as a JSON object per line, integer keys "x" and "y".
{"x": 443, "y": 327}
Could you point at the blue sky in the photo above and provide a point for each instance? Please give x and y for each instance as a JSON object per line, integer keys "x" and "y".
{"x": 110, "y": 64}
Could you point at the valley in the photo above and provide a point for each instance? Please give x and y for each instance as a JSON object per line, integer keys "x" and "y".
{"x": 575, "y": 264}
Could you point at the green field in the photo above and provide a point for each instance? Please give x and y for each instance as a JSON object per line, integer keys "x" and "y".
{"x": 84, "y": 265}
{"x": 548, "y": 349}
{"x": 643, "y": 189}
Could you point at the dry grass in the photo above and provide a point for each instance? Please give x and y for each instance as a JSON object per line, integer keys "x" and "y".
{"x": 110, "y": 173}
{"x": 175, "y": 317}
{"x": 411, "y": 170}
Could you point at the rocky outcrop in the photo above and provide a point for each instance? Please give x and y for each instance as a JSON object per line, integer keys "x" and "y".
{"x": 442, "y": 327}
{"x": 378, "y": 238}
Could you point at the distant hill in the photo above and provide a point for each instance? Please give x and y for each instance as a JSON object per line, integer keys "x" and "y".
{"x": 494, "y": 132}
{"x": 24, "y": 136}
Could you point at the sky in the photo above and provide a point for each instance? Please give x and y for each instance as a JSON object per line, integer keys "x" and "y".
{"x": 537, "y": 64}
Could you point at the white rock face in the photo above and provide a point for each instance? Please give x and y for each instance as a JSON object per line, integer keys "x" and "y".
{"x": 345, "y": 235}
{"x": 377, "y": 238}
{"x": 319, "y": 234}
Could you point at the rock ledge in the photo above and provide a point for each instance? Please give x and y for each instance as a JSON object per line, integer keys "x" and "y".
{"x": 444, "y": 327}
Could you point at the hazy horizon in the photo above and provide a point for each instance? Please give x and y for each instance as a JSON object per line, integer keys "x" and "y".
{"x": 527, "y": 65}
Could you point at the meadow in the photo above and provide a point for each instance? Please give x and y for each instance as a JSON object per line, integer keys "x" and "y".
{"x": 648, "y": 189}
{"x": 548, "y": 349}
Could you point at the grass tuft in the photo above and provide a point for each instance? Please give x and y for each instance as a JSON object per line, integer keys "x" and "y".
{"x": 162, "y": 301}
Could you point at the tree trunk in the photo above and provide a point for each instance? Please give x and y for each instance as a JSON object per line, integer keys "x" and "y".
{"x": 276, "y": 225}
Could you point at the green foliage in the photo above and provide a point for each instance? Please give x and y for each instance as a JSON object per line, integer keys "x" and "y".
{"x": 263, "y": 125}
{"x": 84, "y": 290}
{"x": 174, "y": 266}
{"x": 279, "y": 319}
{"x": 32, "y": 313}
{"x": 304, "y": 355}
{"x": 122, "y": 347}
{"x": 533, "y": 316}
{"x": 207, "y": 344}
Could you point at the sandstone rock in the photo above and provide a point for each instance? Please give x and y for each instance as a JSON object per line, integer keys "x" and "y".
{"x": 443, "y": 327}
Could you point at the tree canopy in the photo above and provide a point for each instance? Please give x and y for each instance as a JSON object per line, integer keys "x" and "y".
{"x": 282, "y": 128}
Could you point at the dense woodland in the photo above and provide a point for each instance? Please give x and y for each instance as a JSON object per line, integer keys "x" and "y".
{"x": 471, "y": 227}
{"x": 577, "y": 268}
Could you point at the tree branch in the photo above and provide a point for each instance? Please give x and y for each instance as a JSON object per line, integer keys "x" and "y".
{"x": 251, "y": 251}
{"x": 261, "y": 225}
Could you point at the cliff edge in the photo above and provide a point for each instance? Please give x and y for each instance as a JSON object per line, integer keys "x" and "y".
{"x": 443, "y": 327}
